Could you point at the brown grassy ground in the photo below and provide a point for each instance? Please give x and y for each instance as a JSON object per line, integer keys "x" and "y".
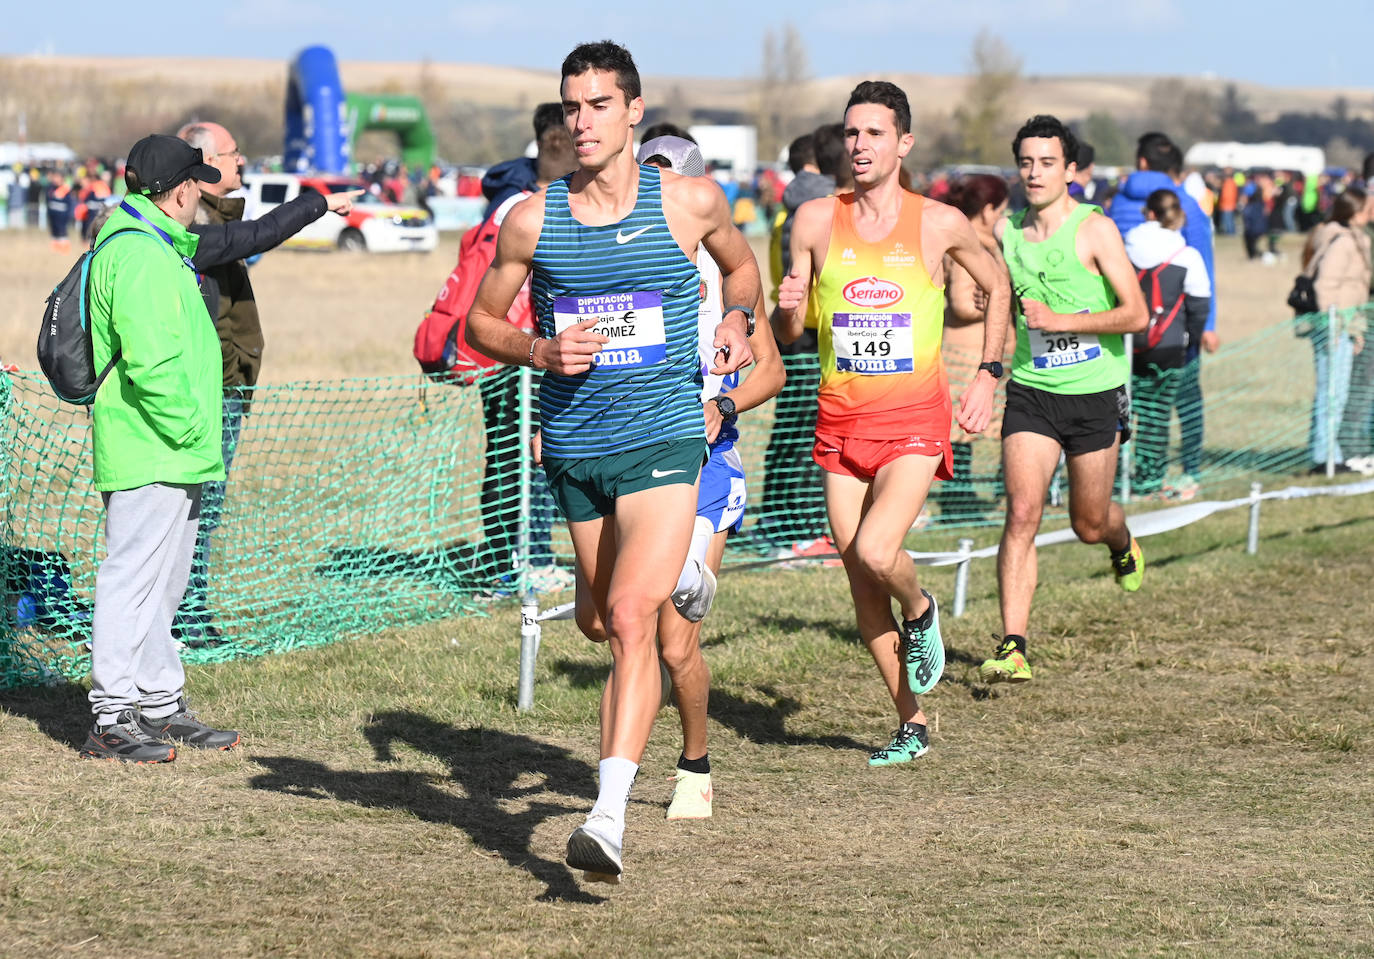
{"x": 1187, "y": 775}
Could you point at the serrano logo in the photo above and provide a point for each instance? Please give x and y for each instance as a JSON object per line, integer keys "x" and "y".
{"x": 869, "y": 291}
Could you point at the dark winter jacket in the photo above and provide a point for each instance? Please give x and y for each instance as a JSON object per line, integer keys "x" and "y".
{"x": 1128, "y": 210}
{"x": 508, "y": 178}
{"x": 225, "y": 239}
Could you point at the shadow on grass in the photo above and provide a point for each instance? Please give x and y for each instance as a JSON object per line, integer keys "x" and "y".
{"x": 486, "y": 764}
{"x": 62, "y": 713}
{"x": 766, "y": 723}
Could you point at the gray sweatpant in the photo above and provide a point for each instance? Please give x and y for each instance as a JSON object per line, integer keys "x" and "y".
{"x": 150, "y": 538}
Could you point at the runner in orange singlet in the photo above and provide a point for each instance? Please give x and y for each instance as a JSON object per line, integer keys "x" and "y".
{"x": 872, "y": 263}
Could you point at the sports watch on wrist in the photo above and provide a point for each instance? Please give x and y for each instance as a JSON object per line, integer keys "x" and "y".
{"x": 726, "y": 407}
{"x": 748, "y": 317}
{"x": 994, "y": 367}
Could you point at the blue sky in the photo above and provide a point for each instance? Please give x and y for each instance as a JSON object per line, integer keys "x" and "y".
{"x": 1258, "y": 41}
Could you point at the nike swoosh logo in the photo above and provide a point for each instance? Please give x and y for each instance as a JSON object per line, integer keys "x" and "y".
{"x": 707, "y": 794}
{"x": 627, "y": 237}
{"x": 659, "y": 474}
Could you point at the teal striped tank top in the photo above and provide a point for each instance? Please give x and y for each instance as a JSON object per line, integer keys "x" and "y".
{"x": 631, "y": 275}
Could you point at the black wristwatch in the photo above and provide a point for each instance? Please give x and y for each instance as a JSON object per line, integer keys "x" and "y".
{"x": 994, "y": 368}
{"x": 748, "y": 317}
{"x": 726, "y": 407}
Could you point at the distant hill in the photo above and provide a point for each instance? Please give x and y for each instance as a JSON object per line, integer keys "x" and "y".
{"x": 482, "y": 111}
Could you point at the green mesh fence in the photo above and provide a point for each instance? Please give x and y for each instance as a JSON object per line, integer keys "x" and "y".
{"x": 366, "y": 504}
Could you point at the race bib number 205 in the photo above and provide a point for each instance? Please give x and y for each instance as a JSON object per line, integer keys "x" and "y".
{"x": 1050, "y": 351}
{"x": 872, "y": 343}
{"x": 632, "y": 321}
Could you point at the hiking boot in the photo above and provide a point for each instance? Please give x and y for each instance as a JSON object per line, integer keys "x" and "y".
{"x": 593, "y": 849}
{"x": 909, "y": 742}
{"x": 1007, "y": 665}
{"x": 185, "y": 726}
{"x": 922, "y": 651}
{"x": 691, "y": 796}
{"x": 1129, "y": 567}
{"x": 695, "y": 603}
{"x": 125, "y": 740}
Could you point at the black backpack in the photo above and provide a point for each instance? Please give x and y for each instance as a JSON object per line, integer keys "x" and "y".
{"x": 64, "y": 340}
{"x": 1162, "y": 336}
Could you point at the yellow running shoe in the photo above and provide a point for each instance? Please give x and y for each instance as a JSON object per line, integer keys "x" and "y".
{"x": 1007, "y": 665}
{"x": 1129, "y": 567}
{"x": 691, "y": 796}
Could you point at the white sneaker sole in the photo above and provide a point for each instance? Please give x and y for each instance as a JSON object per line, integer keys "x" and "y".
{"x": 595, "y": 855}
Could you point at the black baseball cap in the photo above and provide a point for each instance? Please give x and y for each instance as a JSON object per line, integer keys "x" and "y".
{"x": 159, "y": 162}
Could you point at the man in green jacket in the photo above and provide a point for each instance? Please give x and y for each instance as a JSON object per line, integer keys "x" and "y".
{"x": 156, "y": 430}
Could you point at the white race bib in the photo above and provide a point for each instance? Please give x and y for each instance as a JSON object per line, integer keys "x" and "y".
{"x": 1050, "y": 351}
{"x": 876, "y": 344}
{"x": 633, "y": 321}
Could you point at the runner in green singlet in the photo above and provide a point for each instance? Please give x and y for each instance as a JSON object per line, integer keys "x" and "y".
{"x": 1077, "y": 296}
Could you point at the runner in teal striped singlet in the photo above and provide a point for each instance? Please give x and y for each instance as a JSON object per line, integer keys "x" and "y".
{"x": 612, "y": 250}
{"x": 645, "y": 384}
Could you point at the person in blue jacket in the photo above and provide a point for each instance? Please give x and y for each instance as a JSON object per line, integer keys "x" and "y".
{"x": 521, "y": 175}
{"x": 1159, "y": 166}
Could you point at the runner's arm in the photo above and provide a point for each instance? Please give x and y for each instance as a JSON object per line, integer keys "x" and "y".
{"x": 740, "y": 282}
{"x": 571, "y": 352}
{"x": 976, "y": 405}
{"x": 761, "y": 384}
{"x": 811, "y": 223}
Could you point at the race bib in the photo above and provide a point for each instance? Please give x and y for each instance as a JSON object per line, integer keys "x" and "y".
{"x": 872, "y": 343}
{"x": 633, "y": 321}
{"x": 1051, "y": 351}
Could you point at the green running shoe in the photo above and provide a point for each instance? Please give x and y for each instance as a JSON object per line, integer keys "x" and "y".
{"x": 922, "y": 651}
{"x": 908, "y": 743}
{"x": 1129, "y": 567}
{"x": 1007, "y": 665}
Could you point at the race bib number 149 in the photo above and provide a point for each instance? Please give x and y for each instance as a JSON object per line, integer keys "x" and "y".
{"x": 872, "y": 343}
{"x": 632, "y": 321}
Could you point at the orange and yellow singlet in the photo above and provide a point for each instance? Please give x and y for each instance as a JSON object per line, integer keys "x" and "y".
{"x": 881, "y": 319}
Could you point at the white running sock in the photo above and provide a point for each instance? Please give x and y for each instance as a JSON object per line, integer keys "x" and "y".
{"x": 689, "y": 579}
{"x": 702, "y": 531}
{"x": 691, "y": 575}
{"x": 617, "y": 776}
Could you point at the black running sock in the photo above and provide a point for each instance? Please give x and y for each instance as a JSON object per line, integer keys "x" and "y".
{"x": 702, "y": 765}
{"x": 1019, "y": 640}
{"x": 912, "y": 727}
{"x": 923, "y": 621}
{"x": 1125, "y": 552}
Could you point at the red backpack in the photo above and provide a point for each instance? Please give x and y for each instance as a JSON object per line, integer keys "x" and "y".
{"x": 1159, "y": 321}
{"x": 440, "y": 345}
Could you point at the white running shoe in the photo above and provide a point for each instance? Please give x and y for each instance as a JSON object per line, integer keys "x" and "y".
{"x": 691, "y": 796}
{"x": 593, "y": 848}
{"x": 695, "y": 603}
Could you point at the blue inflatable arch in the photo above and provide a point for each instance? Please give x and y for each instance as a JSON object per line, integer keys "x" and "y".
{"x": 316, "y": 114}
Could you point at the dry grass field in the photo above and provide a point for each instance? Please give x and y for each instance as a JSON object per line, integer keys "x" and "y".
{"x": 1188, "y": 774}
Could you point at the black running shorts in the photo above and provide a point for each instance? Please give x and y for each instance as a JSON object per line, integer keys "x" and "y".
{"x": 1082, "y": 423}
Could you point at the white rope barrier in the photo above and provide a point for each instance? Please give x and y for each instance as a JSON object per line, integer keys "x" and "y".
{"x": 1142, "y": 525}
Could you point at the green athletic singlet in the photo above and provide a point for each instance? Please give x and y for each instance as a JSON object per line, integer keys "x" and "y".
{"x": 1050, "y": 271}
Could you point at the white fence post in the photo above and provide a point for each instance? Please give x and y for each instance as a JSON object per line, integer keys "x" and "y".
{"x": 1124, "y": 461}
{"x": 529, "y": 601}
{"x": 1332, "y": 424}
{"x": 961, "y": 576}
{"x": 1252, "y": 541}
